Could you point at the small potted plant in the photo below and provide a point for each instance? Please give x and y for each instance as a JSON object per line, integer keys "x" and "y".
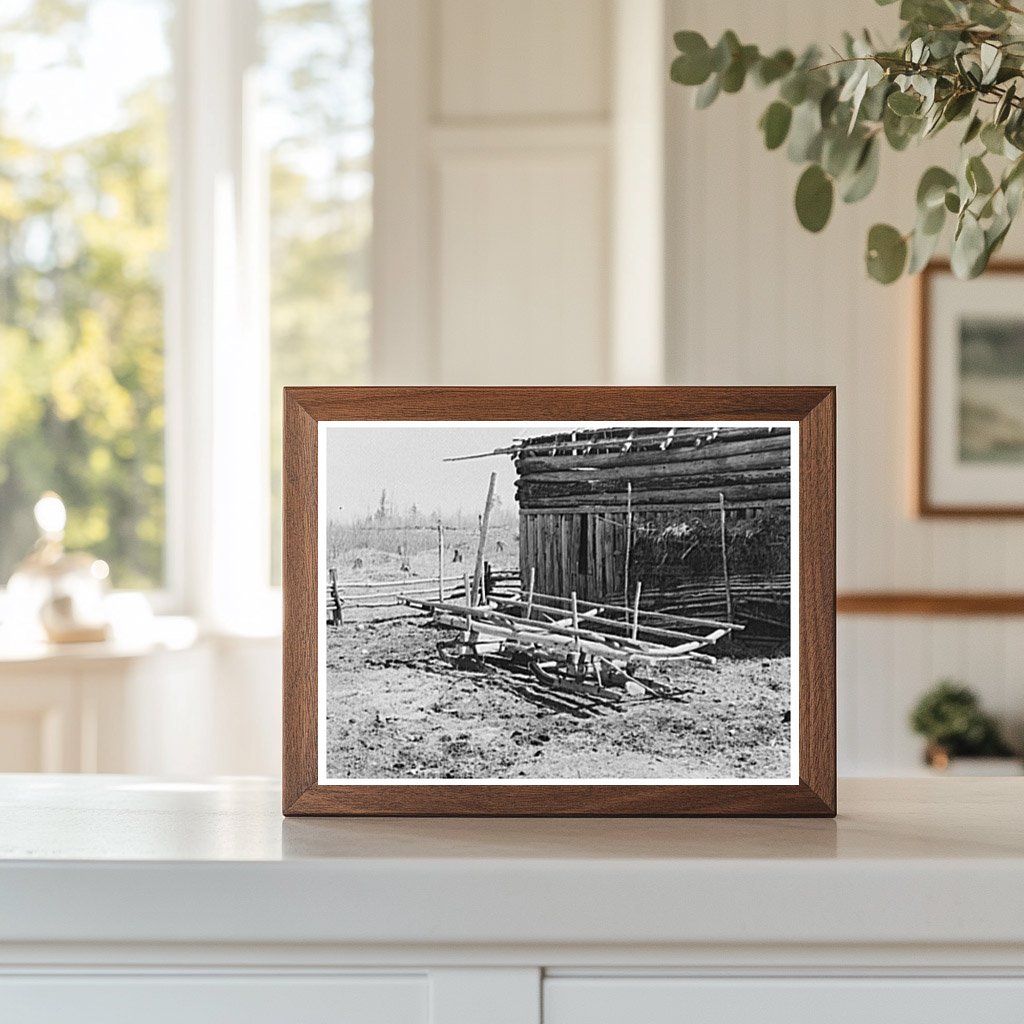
{"x": 950, "y": 717}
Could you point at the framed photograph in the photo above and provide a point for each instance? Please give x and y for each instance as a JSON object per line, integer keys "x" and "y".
{"x": 970, "y": 450}
{"x": 559, "y": 601}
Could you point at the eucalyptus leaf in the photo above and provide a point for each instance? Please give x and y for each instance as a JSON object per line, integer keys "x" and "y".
{"x": 987, "y": 15}
{"x": 865, "y": 174}
{"x": 724, "y": 51}
{"x": 1005, "y": 105}
{"x": 688, "y": 69}
{"x": 707, "y": 93}
{"x": 922, "y": 248}
{"x": 991, "y": 61}
{"x": 904, "y": 103}
{"x": 958, "y": 105}
{"x": 973, "y": 130}
{"x": 932, "y": 221}
{"x": 771, "y": 69}
{"x": 805, "y": 133}
{"x": 775, "y": 122}
{"x": 993, "y": 138}
{"x": 794, "y": 88}
{"x": 814, "y": 196}
{"x": 735, "y": 74}
{"x": 886, "y": 253}
{"x": 873, "y": 106}
{"x": 840, "y": 152}
{"x": 931, "y": 190}
{"x": 978, "y": 176}
{"x": 900, "y": 130}
{"x": 968, "y": 248}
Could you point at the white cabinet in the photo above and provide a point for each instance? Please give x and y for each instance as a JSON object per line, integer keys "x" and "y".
{"x": 101, "y": 708}
{"x": 177, "y": 705}
{"x": 133, "y": 899}
{"x": 829, "y": 1000}
{"x": 203, "y": 999}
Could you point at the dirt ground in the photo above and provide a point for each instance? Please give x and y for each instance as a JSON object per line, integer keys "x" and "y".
{"x": 396, "y": 710}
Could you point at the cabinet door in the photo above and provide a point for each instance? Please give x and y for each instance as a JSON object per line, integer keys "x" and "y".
{"x": 202, "y": 999}
{"x": 782, "y": 1001}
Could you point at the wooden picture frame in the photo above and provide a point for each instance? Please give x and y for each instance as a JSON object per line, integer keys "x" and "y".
{"x": 807, "y": 413}
{"x": 935, "y": 475}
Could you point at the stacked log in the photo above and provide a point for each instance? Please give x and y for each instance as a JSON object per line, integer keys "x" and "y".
{"x": 744, "y": 468}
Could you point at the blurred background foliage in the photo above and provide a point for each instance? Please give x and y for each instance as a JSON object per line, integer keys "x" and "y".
{"x": 83, "y": 232}
{"x": 84, "y": 216}
{"x": 317, "y": 88}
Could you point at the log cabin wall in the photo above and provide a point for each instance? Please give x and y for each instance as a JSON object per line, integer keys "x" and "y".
{"x": 577, "y": 493}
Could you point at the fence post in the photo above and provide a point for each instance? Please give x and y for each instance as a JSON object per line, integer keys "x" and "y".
{"x": 440, "y": 562}
{"x": 725, "y": 560}
{"x": 478, "y": 570}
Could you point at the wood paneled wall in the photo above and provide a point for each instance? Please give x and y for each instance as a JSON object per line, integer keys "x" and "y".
{"x": 753, "y": 299}
{"x": 494, "y": 221}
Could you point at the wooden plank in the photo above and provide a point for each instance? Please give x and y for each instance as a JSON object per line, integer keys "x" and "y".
{"x": 698, "y": 495}
{"x": 478, "y": 569}
{"x": 585, "y": 639}
{"x": 575, "y": 579}
{"x": 538, "y": 550}
{"x": 544, "y": 547}
{"x": 681, "y": 436}
{"x": 524, "y": 547}
{"x": 563, "y": 541}
{"x": 580, "y": 487}
{"x": 609, "y": 561}
{"x": 661, "y": 616}
{"x": 595, "y": 507}
{"x": 709, "y": 453}
{"x": 598, "y": 620}
{"x": 760, "y": 462}
{"x": 929, "y": 603}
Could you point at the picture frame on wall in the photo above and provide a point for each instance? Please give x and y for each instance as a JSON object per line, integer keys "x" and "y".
{"x": 559, "y": 601}
{"x": 970, "y": 383}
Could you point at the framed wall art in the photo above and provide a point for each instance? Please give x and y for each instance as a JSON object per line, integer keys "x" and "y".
{"x": 970, "y": 444}
{"x": 559, "y": 601}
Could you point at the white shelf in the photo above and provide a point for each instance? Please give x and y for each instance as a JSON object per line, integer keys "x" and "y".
{"x": 120, "y": 859}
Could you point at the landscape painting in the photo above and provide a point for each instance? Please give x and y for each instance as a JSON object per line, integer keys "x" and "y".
{"x": 557, "y": 602}
{"x": 991, "y": 389}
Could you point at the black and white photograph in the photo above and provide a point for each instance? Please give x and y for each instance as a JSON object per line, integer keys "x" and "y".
{"x": 542, "y": 602}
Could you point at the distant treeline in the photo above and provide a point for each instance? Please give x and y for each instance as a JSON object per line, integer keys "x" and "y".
{"x": 413, "y": 532}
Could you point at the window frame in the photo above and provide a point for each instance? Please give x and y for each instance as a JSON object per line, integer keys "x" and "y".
{"x": 217, "y": 351}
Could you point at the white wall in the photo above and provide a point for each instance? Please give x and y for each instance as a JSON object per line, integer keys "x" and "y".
{"x": 505, "y": 132}
{"x": 754, "y": 299}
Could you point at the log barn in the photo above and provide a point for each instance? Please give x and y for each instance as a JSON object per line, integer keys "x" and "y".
{"x": 601, "y": 509}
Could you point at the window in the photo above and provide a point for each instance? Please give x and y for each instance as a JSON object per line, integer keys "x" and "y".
{"x": 317, "y": 116}
{"x": 83, "y": 235}
{"x": 199, "y": 164}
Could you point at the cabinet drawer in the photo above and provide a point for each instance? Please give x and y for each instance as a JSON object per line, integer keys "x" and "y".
{"x": 202, "y": 999}
{"x": 782, "y": 1001}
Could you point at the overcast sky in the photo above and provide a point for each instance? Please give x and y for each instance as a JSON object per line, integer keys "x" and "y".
{"x": 408, "y": 463}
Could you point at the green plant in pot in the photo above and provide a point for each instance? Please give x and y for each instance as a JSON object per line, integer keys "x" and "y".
{"x": 956, "y": 63}
{"x": 950, "y": 717}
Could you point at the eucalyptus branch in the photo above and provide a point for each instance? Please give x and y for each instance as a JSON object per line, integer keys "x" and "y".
{"x": 954, "y": 60}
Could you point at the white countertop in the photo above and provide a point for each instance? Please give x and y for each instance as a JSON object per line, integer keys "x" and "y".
{"x": 121, "y": 859}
